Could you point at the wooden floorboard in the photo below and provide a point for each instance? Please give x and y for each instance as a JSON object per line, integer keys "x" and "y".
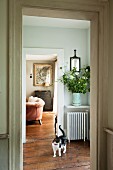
{"x": 38, "y": 153}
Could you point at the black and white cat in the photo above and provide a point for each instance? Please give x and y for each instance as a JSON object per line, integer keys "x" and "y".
{"x": 59, "y": 143}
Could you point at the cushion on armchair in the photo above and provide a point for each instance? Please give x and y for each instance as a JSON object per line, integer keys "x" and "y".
{"x": 32, "y": 99}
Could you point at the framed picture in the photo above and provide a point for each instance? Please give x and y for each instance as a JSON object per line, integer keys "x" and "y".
{"x": 42, "y": 74}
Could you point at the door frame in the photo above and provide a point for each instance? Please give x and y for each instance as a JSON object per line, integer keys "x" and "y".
{"x": 97, "y": 13}
{"x": 60, "y": 100}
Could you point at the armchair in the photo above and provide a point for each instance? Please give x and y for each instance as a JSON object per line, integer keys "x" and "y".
{"x": 34, "y": 109}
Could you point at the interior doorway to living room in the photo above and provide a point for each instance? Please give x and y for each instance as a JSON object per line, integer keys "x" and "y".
{"x": 45, "y": 60}
{"x": 78, "y": 38}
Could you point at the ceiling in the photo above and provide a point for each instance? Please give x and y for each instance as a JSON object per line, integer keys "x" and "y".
{"x": 50, "y": 57}
{"x": 52, "y": 22}
{"x": 55, "y": 22}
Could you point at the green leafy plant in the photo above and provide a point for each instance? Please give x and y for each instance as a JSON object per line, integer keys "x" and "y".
{"x": 77, "y": 82}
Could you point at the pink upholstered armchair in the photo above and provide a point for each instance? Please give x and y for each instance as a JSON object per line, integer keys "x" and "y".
{"x": 34, "y": 109}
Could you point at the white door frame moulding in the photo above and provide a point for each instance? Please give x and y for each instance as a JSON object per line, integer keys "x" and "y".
{"x": 99, "y": 70}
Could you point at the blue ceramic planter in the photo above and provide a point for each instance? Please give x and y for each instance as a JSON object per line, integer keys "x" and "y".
{"x": 76, "y": 99}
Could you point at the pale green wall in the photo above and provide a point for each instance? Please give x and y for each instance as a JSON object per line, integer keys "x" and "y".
{"x": 59, "y": 38}
{"x": 3, "y": 84}
{"x": 88, "y": 45}
{"x": 65, "y": 38}
{"x": 110, "y": 82}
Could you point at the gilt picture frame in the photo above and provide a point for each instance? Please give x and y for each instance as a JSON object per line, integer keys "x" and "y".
{"x": 42, "y": 74}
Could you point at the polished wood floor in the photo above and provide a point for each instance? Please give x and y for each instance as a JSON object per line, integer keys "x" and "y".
{"x": 38, "y": 154}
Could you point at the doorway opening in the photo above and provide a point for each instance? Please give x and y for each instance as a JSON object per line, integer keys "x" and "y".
{"x": 44, "y": 57}
{"x": 78, "y": 38}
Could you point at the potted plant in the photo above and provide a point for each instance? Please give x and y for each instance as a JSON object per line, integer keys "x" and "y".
{"x": 77, "y": 82}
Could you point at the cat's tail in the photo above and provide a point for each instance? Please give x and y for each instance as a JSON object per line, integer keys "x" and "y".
{"x": 62, "y": 130}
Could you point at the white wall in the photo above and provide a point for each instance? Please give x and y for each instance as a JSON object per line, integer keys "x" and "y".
{"x": 65, "y": 38}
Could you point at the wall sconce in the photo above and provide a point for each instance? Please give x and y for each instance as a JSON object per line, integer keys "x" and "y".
{"x": 31, "y": 74}
{"x": 75, "y": 62}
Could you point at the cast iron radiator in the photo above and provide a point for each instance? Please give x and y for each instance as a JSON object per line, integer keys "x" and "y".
{"x": 77, "y": 125}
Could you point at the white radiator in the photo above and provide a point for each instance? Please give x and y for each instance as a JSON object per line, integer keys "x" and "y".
{"x": 77, "y": 125}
